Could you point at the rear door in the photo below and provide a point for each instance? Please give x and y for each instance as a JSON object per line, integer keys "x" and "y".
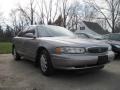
{"x": 18, "y": 41}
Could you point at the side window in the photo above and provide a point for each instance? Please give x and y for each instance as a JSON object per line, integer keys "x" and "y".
{"x": 21, "y": 33}
{"x": 29, "y": 31}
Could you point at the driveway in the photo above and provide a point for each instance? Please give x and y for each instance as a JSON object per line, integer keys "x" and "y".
{"x": 22, "y": 75}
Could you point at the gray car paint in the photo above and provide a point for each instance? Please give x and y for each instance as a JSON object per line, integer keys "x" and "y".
{"x": 28, "y": 47}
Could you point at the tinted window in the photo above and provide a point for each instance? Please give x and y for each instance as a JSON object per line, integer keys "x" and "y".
{"x": 115, "y": 37}
{"x": 53, "y": 31}
{"x": 29, "y": 31}
{"x": 22, "y": 32}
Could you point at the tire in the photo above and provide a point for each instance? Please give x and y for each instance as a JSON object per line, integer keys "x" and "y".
{"x": 45, "y": 63}
{"x": 16, "y": 55}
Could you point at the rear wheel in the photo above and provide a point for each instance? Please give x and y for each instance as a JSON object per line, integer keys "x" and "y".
{"x": 15, "y": 54}
{"x": 45, "y": 63}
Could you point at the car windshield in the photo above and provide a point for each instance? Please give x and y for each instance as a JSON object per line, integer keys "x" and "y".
{"x": 115, "y": 37}
{"x": 54, "y": 31}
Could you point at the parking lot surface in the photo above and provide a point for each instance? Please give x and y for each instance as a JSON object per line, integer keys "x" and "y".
{"x": 22, "y": 75}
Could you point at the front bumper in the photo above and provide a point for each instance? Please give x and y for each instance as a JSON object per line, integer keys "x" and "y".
{"x": 75, "y": 60}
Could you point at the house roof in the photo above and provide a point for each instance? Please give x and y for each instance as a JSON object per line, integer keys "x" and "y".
{"x": 95, "y": 27}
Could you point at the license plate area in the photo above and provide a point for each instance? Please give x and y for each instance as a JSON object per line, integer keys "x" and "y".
{"x": 102, "y": 60}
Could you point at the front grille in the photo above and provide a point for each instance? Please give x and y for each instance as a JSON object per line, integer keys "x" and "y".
{"x": 97, "y": 49}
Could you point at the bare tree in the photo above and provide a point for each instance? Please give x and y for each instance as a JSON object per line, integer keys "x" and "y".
{"x": 14, "y": 21}
{"x": 40, "y": 12}
{"x": 48, "y": 10}
{"x": 79, "y": 12}
{"x": 73, "y": 16}
{"x": 113, "y": 8}
{"x": 89, "y": 13}
{"x": 29, "y": 12}
{"x": 32, "y": 10}
{"x": 58, "y": 21}
{"x": 18, "y": 21}
{"x": 65, "y": 11}
{"x": 56, "y": 10}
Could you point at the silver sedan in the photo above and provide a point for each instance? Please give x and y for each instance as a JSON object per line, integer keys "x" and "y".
{"x": 54, "y": 47}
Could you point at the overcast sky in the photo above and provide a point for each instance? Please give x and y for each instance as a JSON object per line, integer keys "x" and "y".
{"x": 7, "y": 5}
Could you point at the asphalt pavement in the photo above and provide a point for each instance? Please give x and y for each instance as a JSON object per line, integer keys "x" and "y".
{"x": 22, "y": 75}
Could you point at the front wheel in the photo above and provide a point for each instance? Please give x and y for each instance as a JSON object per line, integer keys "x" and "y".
{"x": 45, "y": 63}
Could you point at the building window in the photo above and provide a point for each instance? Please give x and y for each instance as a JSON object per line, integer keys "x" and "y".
{"x": 82, "y": 28}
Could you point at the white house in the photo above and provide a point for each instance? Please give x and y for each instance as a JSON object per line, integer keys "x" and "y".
{"x": 90, "y": 28}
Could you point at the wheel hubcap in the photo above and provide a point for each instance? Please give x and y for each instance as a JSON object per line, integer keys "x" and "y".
{"x": 43, "y": 63}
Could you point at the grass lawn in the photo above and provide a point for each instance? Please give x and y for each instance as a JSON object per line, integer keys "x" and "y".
{"x": 5, "y": 47}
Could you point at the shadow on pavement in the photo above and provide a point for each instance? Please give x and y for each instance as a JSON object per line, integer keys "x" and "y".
{"x": 69, "y": 79}
{"x": 73, "y": 73}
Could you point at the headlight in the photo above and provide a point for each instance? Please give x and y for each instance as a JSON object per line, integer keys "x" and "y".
{"x": 118, "y": 46}
{"x": 70, "y": 50}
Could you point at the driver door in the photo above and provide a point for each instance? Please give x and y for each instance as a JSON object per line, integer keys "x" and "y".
{"x": 30, "y": 44}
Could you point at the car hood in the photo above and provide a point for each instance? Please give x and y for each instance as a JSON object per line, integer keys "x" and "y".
{"x": 73, "y": 41}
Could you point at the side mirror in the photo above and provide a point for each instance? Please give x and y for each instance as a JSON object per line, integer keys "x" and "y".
{"x": 30, "y": 35}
